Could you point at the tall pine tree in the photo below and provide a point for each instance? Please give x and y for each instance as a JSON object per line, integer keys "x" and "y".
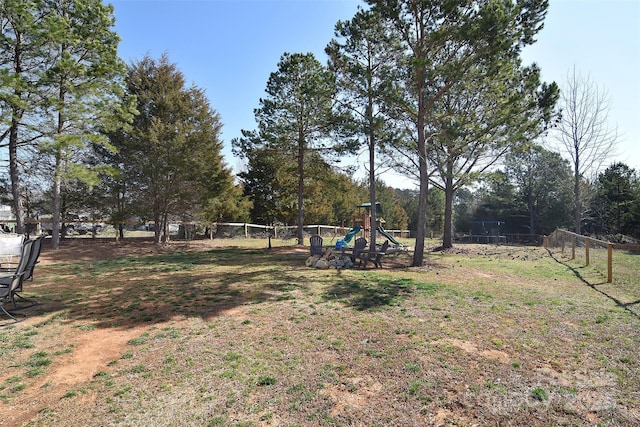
{"x": 442, "y": 41}
{"x": 83, "y": 90}
{"x": 296, "y": 117}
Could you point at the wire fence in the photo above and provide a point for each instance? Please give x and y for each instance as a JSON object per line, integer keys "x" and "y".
{"x": 201, "y": 230}
{"x": 284, "y": 232}
{"x": 610, "y": 259}
{"x": 611, "y": 267}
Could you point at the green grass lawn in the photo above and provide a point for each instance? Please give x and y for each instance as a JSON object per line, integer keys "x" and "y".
{"x": 244, "y": 336}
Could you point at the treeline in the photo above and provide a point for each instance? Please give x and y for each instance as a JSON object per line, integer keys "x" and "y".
{"x": 435, "y": 91}
{"x": 533, "y": 194}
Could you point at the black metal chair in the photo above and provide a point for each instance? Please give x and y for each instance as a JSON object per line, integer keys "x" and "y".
{"x": 36, "y": 248}
{"x": 33, "y": 258}
{"x": 9, "y": 284}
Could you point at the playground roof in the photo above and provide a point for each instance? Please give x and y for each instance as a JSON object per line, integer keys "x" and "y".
{"x": 367, "y": 206}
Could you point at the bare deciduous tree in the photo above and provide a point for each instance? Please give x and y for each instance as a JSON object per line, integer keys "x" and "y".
{"x": 583, "y": 132}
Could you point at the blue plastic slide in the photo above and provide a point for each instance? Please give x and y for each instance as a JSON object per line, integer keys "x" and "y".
{"x": 344, "y": 243}
{"x": 351, "y": 233}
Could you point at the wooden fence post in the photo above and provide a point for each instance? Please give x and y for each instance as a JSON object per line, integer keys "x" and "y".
{"x": 609, "y": 263}
{"x": 562, "y": 242}
{"x": 573, "y": 246}
{"x": 586, "y": 250}
{"x": 545, "y": 242}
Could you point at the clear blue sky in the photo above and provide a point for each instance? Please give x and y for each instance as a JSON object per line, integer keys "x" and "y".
{"x": 602, "y": 39}
{"x": 229, "y": 47}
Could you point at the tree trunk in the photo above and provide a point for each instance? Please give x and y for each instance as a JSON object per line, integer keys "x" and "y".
{"x": 57, "y": 201}
{"x": 418, "y": 254}
{"x": 577, "y": 213}
{"x": 58, "y": 172}
{"x": 532, "y": 215}
{"x": 14, "y": 172}
{"x": 447, "y": 236}
{"x": 300, "y": 188}
{"x": 157, "y": 227}
{"x": 372, "y": 177}
{"x": 165, "y": 228}
{"x": 57, "y": 176}
{"x": 16, "y": 116}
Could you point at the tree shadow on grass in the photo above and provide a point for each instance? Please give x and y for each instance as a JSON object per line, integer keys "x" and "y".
{"x": 375, "y": 292}
{"x": 129, "y": 291}
{"x": 629, "y": 307}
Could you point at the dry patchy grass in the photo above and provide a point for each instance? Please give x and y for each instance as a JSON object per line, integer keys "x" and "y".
{"x": 213, "y": 334}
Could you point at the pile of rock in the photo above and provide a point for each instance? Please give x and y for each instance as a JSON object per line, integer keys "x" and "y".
{"x": 330, "y": 259}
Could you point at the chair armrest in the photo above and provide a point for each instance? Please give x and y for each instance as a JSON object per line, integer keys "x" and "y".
{"x": 5, "y": 279}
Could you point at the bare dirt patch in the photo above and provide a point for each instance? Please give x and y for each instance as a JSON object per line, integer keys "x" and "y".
{"x": 92, "y": 351}
{"x": 73, "y": 250}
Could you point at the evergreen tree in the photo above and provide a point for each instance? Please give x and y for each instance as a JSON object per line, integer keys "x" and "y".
{"x": 480, "y": 119}
{"x": 408, "y": 200}
{"x": 171, "y": 155}
{"x": 442, "y": 41}
{"x": 394, "y": 215}
{"x": 465, "y": 202}
{"x": 296, "y": 117}
{"x": 542, "y": 179}
{"x": 617, "y": 202}
{"x": 331, "y": 197}
{"x": 61, "y": 87}
{"x": 362, "y": 57}
{"x": 436, "y": 222}
{"x": 495, "y": 198}
{"x": 83, "y": 90}
{"x": 270, "y": 181}
{"x": 22, "y": 50}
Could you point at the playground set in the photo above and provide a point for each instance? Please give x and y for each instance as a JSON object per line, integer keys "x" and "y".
{"x": 362, "y": 223}
{"x": 345, "y": 256}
